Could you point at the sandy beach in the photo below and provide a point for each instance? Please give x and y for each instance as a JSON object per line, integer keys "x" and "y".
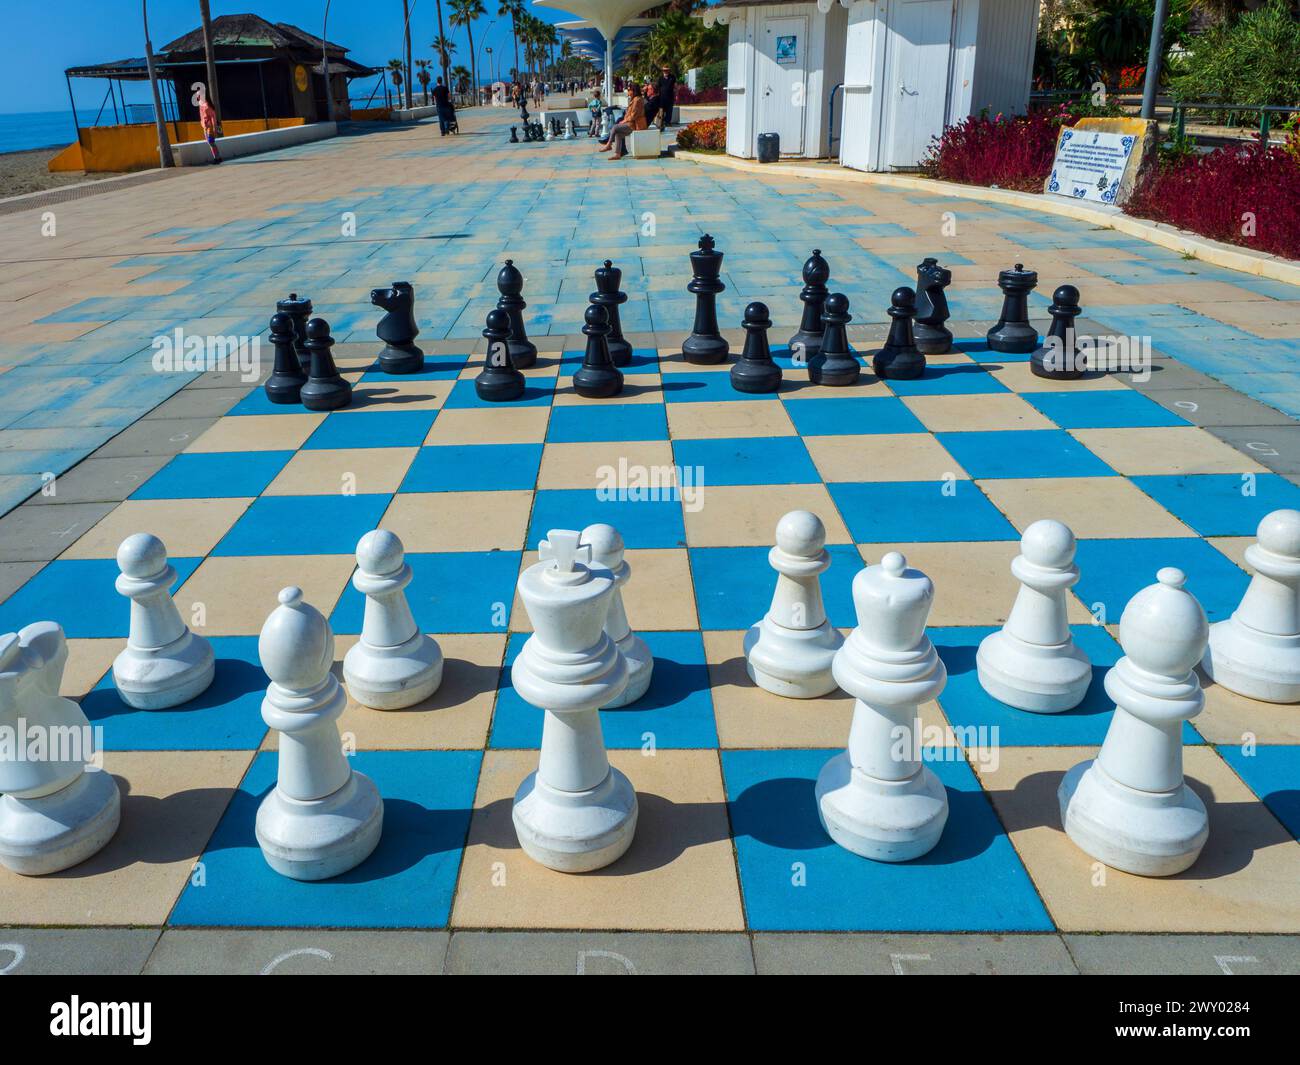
{"x": 22, "y": 172}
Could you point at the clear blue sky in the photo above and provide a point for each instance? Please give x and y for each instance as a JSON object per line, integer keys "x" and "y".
{"x": 93, "y": 31}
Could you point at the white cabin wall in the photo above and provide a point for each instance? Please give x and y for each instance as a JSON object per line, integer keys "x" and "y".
{"x": 1004, "y": 63}
{"x": 836, "y": 35}
{"x": 965, "y": 37}
{"x": 740, "y": 86}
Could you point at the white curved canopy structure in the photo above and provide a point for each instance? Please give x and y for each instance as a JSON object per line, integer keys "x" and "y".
{"x": 608, "y": 16}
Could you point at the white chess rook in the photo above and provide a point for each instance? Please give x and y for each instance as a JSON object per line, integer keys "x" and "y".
{"x": 1130, "y": 808}
{"x": 576, "y": 813}
{"x": 55, "y": 809}
{"x": 393, "y": 665}
{"x": 163, "y": 664}
{"x": 321, "y": 819}
{"x": 789, "y": 652}
{"x": 1256, "y": 652}
{"x": 607, "y": 550}
{"x": 877, "y": 798}
{"x": 1032, "y": 662}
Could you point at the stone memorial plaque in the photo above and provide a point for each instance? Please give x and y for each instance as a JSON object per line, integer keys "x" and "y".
{"x": 1098, "y": 159}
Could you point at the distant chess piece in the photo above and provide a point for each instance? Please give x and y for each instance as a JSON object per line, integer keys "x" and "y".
{"x": 597, "y": 377}
{"x": 500, "y": 380}
{"x": 607, "y": 294}
{"x": 1058, "y": 358}
{"x": 756, "y": 371}
{"x": 808, "y": 340}
{"x": 706, "y": 344}
{"x": 1256, "y": 652}
{"x": 1032, "y": 662}
{"x": 398, "y": 329}
{"x": 1130, "y": 807}
{"x": 877, "y": 798}
{"x": 606, "y": 545}
{"x": 568, "y": 130}
{"x": 287, "y": 375}
{"x": 835, "y": 363}
{"x": 56, "y": 808}
{"x": 299, "y": 309}
{"x": 321, "y": 818}
{"x": 1013, "y": 335}
{"x": 899, "y": 359}
{"x": 790, "y": 651}
{"x": 930, "y": 332}
{"x": 514, "y": 135}
{"x": 326, "y": 388}
{"x": 576, "y": 813}
{"x": 549, "y": 132}
{"x": 510, "y": 284}
{"x": 163, "y": 664}
{"x": 393, "y": 665}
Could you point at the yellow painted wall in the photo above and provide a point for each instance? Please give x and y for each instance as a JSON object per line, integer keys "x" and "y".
{"x": 119, "y": 149}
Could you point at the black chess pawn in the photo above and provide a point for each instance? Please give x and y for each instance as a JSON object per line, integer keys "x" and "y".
{"x": 500, "y": 380}
{"x": 398, "y": 329}
{"x": 510, "y": 283}
{"x": 754, "y": 371}
{"x": 932, "y": 336}
{"x": 607, "y": 294}
{"x": 1058, "y": 358}
{"x": 706, "y": 344}
{"x": 1013, "y": 335}
{"x": 816, "y": 272}
{"x": 286, "y": 380}
{"x": 835, "y": 364}
{"x": 299, "y": 309}
{"x": 325, "y": 389}
{"x": 514, "y": 135}
{"x": 598, "y": 377}
{"x": 899, "y": 359}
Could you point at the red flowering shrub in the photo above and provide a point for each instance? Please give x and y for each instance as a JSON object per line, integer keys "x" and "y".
{"x": 684, "y": 95}
{"x": 1012, "y": 153}
{"x": 707, "y": 135}
{"x": 1245, "y": 194}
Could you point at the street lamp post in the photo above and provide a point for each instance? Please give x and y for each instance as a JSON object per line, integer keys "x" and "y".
{"x": 164, "y": 147}
{"x": 481, "y": 43}
{"x": 325, "y": 65}
{"x": 1154, "y": 55}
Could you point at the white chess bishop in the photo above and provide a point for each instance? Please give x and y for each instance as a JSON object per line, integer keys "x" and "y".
{"x": 164, "y": 663}
{"x": 789, "y": 652}
{"x": 1256, "y": 652}
{"x": 321, "y": 819}
{"x": 1130, "y": 807}
{"x": 1032, "y": 662}
{"x": 55, "y": 809}
{"x": 607, "y": 550}
{"x": 877, "y": 798}
{"x": 393, "y": 665}
{"x": 577, "y": 812}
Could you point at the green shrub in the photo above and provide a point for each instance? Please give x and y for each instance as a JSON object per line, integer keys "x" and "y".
{"x": 712, "y": 76}
{"x": 1254, "y": 60}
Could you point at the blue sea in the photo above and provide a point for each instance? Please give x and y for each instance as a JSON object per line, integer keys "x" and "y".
{"x": 37, "y": 129}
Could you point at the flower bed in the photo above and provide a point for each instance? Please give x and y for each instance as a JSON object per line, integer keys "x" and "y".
{"x": 707, "y": 135}
{"x": 1009, "y": 152}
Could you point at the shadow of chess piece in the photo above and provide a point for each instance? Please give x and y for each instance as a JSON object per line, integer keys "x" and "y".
{"x": 1058, "y": 358}
{"x": 286, "y": 380}
{"x": 500, "y": 380}
{"x": 899, "y": 359}
{"x": 299, "y": 309}
{"x": 835, "y": 364}
{"x": 755, "y": 372}
{"x": 510, "y": 283}
{"x": 598, "y": 377}
{"x": 1013, "y": 335}
{"x": 932, "y": 336}
{"x": 816, "y": 272}
{"x": 398, "y": 329}
{"x": 607, "y": 294}
{"x": 325, "y": 389}
{"x": 514, "y": 135}
{"x": 706, "y": 344}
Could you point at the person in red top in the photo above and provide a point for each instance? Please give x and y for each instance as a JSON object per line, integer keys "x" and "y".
{"x": 208, "y": 120}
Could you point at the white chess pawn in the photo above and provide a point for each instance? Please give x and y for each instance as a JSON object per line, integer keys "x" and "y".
{"x": 607, "y": 550}
{"x": 1130, "y": 808}
{"x": 576, "y": 813}
{"x": 321, "y": 819}
{"x": 790, "y": 651}
{"x": 163, "y": 663}
{"x": 393, "y": 665}
{"x": 877, "y": 798}
{"x": 1032, "y": 662}
{"x": 56, "y": 810}
{"x": 1256, "y": 652}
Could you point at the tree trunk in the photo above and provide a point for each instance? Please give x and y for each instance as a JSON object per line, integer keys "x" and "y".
{"x": 205, "y": 13}
{"x": 473, "y": 61}
{"x": 406, "y": 16}
{"x": 442, "y": 48}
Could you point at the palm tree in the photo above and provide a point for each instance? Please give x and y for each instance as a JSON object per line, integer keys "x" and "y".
{"x": 442, "y": 37}
{"x": 460, "y": 77}
{"x": 422, "y": 76}
{"x": 463, "y": 13}
{"x": 396, "y": 74}
{"x": 515, "y": 9}
{"x": 444, "y": 47}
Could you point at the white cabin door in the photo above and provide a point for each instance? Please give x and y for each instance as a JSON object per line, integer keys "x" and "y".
{"x": 781, "y": 72}
{"x": 916, "y": 76}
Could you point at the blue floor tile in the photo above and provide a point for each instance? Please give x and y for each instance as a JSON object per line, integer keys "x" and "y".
{"x": 473, "y": 468}
{"x": 747, "y": 460}
{"x": 919, "y": 511}
{"x": 650, "y": 522}
{"x": 366, "y": 429}
{"x": 436, "y": 368}
{"x": 538, "y": 392}
{"x": 304, "y": 525}
{"x": 1118, "y": 409}
{"x": 1272, "y": 773}
{"x": 225, "y": 474}
{"x": 852, "y": 416}
{"x": 705, "y": 387}
{"x": 734, "y": 585}
{"x": 1221, "y": 504}
{"x": 1113, "y": 571}
{"x": 609, "y": 421}
{"x": 957, "y": 379}
{"x": 1022, "y": 453}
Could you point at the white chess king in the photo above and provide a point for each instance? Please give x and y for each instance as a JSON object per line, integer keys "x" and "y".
{"x": 1130, "y": 807}
{"x": 1256, "y": 652}
{"x": 607, "y": 550}
{"x": 577, "y": 812}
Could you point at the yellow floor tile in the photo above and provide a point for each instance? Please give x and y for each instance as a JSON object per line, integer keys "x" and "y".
{"x": 496, "y": 425}
{"x": 391, "y": 395}
{"x": 1093, "y": 507}
{"x": 1233, "y": 547}
{"x": 982, "y": 413}
{"x": 1234, "y": 720}
{"x": 1164, "y": 450}
{"x": 697, "y": 421}
{"x": 613, "y": 465}
{"x": 460, "y": 521}
{"x": 232, "y": 596}
{"x": 257, "y": 432}
{"x": 88, "y": 661}
{"x": 188, "y": 527}
{"x": 1019, "y": 378}
{"x": 745, "y": 515}
{"x": 356, "y": 471}
{"x": 882, "y": 457}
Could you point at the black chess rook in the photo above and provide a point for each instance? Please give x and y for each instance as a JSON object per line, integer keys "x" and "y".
{"x": 298, "y": 308}
{"x": 1013, "y": 335}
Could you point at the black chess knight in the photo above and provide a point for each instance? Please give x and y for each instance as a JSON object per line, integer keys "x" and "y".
{"x": 398, "y": 329}
{"x": 706, "y": 344}
{"x": 932, "y": 336}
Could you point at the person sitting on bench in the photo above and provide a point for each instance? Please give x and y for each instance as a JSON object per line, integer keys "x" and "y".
{"x": 633, "y": 120}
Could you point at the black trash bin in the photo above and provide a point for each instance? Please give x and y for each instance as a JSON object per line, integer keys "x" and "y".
{"x": 769, "y": 147}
